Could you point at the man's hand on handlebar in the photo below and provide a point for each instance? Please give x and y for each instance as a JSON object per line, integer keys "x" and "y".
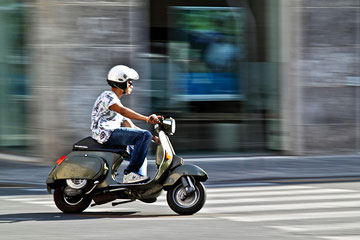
{"x": 153, "y": 119}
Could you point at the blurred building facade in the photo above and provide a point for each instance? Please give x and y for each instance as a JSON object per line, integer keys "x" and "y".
{"x": 245, "y": 76}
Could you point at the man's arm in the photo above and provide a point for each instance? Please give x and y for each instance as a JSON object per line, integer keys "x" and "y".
{"x": 129, "y": 113}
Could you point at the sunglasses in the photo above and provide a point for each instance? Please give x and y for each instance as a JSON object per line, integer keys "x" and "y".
{"x": 129, "y": 83}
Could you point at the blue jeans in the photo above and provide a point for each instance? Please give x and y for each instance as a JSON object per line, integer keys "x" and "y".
{"x": 140, "y": 139}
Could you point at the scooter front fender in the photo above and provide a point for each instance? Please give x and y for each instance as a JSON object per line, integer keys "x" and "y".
{"x": 185, "y": 170}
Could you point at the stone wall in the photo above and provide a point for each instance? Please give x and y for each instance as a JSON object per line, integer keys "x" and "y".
{"x": 330, "y": 75}
{"x": 74, "y": 44}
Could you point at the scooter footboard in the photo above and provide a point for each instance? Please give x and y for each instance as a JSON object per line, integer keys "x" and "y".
{"x": 185, "y": 170}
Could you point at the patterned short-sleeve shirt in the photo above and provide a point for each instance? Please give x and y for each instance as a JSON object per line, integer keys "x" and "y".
{"x": 103, "y": 120}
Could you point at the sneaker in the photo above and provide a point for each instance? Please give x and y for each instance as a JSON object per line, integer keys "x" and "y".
{"x": 134, "y": 178}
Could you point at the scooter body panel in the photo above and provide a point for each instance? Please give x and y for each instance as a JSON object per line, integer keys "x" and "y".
{"x": 185, "y": 170}
{"x": 84, "y": 165}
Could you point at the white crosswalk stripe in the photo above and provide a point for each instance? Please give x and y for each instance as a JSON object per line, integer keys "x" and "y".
{"x": 259, "y": 188}
{"x": 352, "y": 237}
{"x": 273, "y": 194}
{"x": 320, "y": 227}
{"x": 291, "y": 206}
{"x": 47, "y": 201}
{"x": 43, "y": 200}
{"x": 294, "y": 216}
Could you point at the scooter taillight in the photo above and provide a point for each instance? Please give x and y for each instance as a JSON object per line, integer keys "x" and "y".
{"x": 58, "y": 162}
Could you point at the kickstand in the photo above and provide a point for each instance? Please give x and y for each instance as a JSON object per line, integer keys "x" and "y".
{"x": 117, "y": 203}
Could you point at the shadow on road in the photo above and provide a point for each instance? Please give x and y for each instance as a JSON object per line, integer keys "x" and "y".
{"x": 23, "y": 217}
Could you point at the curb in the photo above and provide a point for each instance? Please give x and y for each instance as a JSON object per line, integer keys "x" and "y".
{"x": 15, "y": 184}
{"x": 205, "y": 158}
{"x": 18, "y": 158}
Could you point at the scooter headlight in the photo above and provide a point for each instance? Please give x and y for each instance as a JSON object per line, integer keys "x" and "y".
{"x": 169, "y": 126}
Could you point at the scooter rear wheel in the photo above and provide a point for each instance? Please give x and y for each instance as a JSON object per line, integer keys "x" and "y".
{"x": 186, "y": 205}
{"x": 68, "y": 204}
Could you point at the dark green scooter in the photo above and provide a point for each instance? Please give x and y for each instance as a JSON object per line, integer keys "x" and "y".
{"x": 88, "y": 174}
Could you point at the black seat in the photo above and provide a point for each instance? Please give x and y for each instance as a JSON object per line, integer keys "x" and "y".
{"x": 89, "y": 144}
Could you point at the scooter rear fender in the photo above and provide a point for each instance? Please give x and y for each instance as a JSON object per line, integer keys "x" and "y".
{"x": 185, "y": 170}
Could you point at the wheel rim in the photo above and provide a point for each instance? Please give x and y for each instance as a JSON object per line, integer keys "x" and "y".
{"x": 180, "y": 198}
{"x": 72, "y": 201}
{"x": 76, "y": 183}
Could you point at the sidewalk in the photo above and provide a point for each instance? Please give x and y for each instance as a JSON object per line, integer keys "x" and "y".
{"x": 221, "y": 170}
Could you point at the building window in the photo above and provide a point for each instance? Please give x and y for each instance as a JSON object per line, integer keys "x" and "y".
{"x": 209, "y": 65}
{"x": 14, "y": 93}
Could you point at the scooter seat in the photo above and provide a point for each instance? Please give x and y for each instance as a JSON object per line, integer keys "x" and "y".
{"x": 89, "y": 144}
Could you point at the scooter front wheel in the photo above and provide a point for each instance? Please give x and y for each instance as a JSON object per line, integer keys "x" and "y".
{"x": 182, "y": 204}
{"x": 68, "y": 204}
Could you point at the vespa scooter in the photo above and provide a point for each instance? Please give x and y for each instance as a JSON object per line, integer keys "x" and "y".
{"x": 89, "y": 172}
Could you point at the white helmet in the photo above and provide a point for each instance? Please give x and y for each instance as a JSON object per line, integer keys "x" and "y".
{"x": 119, "y": 76}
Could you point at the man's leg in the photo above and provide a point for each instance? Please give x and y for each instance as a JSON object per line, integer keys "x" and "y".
{"x": 143, "y": 168}
{"x": 130, "y": 136}
{"x": 139, "y": 153}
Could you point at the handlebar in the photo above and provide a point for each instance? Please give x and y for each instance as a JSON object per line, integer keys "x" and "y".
{"x": 160, "y": 117}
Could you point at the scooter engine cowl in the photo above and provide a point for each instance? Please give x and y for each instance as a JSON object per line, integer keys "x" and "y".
{"x": 78, "y": 165}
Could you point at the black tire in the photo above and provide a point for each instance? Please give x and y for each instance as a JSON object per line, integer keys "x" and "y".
{"x": 70, "y": 204}
{"x": 190, "y": 204}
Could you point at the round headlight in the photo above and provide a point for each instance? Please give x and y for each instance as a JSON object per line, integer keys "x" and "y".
{"x": 173, "y": 126}
{"x": 169, "y": 126}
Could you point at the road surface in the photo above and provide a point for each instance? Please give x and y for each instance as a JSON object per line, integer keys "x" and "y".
{"x": 270, "y": 211}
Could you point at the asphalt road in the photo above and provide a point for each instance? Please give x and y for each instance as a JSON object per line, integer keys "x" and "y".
{"x": 272, "y": 211}
{"x": 248, "y": 198}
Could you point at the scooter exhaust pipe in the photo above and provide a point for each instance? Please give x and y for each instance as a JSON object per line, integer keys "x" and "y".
{"x": 104, "y": 198}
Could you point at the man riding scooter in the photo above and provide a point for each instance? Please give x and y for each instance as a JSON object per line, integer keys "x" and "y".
{"x": 88, "y": 173}
{"x": 111, "y": 122}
